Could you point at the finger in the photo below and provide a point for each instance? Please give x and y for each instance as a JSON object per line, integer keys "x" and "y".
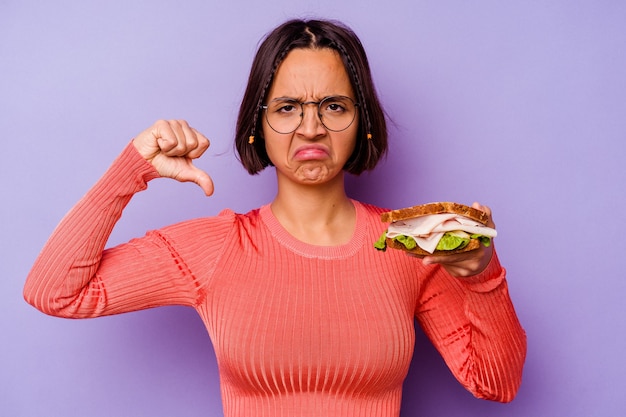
{"x": 205, "y": 182}
{"x": 173, "y": 137}
{"x": 486, "y": 210}
{"x": 189, "y": 136}
{"x": 201, "y": 178}
{"x": 450, "y": 259}
{"x": 178, "y": 146}
{"x": 482, "y": 208}
{"x": 429, "y": 260}
{"x": 463, "y": 264}
{"x": 165, "y": 135}
{"x": 202, "y": 144}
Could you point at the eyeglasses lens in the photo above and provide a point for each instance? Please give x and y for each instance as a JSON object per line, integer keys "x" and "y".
{"x": 285, "y": 115}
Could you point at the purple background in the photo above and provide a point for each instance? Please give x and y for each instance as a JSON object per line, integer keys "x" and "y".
{"x": 520, "y": 105}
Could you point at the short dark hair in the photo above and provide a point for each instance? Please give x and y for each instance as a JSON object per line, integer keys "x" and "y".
{"x": 311, "y": 34}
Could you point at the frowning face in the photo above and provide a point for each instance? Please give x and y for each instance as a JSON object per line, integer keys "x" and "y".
{"x": 311, "y": 154}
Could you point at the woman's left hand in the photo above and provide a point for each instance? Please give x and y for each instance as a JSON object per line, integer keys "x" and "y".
{"x": 469, "y": 263}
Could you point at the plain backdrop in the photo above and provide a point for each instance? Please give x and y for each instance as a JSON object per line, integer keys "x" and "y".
{"x": 518, "y": 104}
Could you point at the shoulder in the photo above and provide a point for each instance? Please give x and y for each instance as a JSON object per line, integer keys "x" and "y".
{"x": 371, "y": 211}
{"x": 225, "y": 222}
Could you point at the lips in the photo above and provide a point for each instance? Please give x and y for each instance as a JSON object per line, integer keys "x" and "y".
{"x": 310, "y": 152}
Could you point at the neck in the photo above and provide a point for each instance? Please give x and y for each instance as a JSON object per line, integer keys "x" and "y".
{"x": 320, "y": 214}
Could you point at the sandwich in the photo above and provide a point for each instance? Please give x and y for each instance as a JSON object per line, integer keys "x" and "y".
{"x": 442, "y": 228}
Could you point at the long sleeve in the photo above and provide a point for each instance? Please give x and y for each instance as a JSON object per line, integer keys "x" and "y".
{"x": 472, "y": 322}
{"x": 305, "y": 329}
{"x": 68, "y": 277}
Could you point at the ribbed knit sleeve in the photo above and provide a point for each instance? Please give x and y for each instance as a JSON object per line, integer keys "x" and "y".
{"x": 472, "y": 323}
{"x": 298, "y": 329}
{"x": 75, "y": 277}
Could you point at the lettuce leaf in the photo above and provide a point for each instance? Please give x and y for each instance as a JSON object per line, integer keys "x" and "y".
{"x": 448, "y": 241}
{"x": 407, "y": 241}
{"x": 485, "y": 240}
{"x": 381, "y": 243}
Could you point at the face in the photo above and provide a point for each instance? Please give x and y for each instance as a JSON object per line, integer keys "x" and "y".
{"x": 311, "y": 154}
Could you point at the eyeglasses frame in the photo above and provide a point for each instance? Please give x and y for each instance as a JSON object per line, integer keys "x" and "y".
{"x": 264, "y": 107}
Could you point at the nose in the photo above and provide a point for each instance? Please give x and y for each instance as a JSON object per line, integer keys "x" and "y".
{"x": 311, "y": 125}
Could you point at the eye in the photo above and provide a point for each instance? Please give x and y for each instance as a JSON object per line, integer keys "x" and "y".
{"x": 335, "y": 105}
{"x": 287, "y": 108}
{"x": 284, "y": 107}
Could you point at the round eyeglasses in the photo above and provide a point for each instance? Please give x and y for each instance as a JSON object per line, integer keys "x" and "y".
{"x": 285, "y": 115}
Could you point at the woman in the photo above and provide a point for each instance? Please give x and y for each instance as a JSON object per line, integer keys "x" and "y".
{"x": 305, "y": 316}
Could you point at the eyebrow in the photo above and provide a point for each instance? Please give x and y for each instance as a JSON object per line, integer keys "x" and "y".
{"x": 298, "y": 100}
{"x": 285, "y": 99}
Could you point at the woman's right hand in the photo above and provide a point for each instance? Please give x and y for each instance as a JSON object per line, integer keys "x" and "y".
{"x": 171, "y": 146}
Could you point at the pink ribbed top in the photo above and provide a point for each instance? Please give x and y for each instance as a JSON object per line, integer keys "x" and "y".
{"x": 298, "y": 329}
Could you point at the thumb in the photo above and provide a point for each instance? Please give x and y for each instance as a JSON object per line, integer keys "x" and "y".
{"x": 204, "y": 181}
{"x": 201, "y": 178}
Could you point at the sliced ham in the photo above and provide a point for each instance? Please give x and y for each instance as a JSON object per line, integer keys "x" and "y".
{"x": 428, "y": 230}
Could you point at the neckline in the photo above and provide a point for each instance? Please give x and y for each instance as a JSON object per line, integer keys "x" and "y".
{"x": 316, "y": 251}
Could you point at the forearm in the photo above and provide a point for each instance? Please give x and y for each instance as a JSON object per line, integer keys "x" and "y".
{"x": 497, "y": 343}
{"x": 476, "y": 329}
{"x": 69, "y": 260}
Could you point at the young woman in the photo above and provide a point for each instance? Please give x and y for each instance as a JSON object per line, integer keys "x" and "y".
{"x": 306, "y": 317}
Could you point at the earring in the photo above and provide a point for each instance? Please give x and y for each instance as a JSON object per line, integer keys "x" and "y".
{"x": 251, "y": 139}
{"x": 369, "y": 136}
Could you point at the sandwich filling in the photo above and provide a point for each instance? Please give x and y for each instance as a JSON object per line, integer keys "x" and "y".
{"x": 446, "y": 231}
